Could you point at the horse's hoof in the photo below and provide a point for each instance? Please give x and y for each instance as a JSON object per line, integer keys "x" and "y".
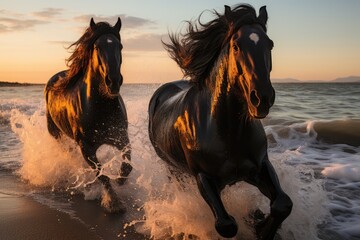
{"x": 113, "y": 206}
{"x": 126, "y": 169}
{"x": 120, "y": 181}
{"x": 257, "y": 218}
{"x": 226, "y": 227}
{"x": 111, "y": 203}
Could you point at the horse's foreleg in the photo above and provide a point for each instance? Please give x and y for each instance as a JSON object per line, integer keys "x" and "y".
{"x": 89, "y": 154}
{"x": 224, "y": 223}
{"x": 280, "y": 203}
{"x": 126, "y": 167}
{"x": 109, "y": 199}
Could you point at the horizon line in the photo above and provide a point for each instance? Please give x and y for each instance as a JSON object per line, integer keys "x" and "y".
{"x": 349, "y": 79}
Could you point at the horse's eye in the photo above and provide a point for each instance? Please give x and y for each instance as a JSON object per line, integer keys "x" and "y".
{"x": 235, "y": 48}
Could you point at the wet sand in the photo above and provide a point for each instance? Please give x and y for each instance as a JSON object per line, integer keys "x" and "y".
{"x": 22, "y": 217}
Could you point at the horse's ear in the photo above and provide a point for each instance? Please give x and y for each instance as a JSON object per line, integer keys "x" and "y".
{"x": 263, "y": 16}
{"x": 92, "y": 24}
{"x": 117, "y": 26}
{"x": 228, "y": 12}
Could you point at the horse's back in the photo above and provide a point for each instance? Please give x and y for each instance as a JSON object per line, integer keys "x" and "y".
{"x": 164, "y": 92}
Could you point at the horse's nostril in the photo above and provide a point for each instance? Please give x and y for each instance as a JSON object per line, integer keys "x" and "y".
{"x": 254, "y": 98}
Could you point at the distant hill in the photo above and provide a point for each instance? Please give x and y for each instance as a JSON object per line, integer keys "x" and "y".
{"x": 285, "y": 80}
{"x": 348, "y": 79}
{"x": 16, "y": 84}
{"x": 351, "y": 79}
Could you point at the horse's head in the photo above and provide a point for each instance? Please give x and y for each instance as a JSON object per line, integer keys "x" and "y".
{"x": 107, "y": 58}
{"x": 250, "y": 64}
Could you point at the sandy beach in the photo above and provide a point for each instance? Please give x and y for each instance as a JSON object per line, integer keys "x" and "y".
{"x": 22, "y": 217}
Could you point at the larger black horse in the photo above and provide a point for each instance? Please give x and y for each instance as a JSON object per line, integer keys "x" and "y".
{"x": 84, "y": 102}
{"x": 210, "y": 126}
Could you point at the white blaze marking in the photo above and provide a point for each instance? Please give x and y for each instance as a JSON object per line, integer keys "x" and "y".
{"x": 254, "y": 37}
{"x": 109, "y": 40}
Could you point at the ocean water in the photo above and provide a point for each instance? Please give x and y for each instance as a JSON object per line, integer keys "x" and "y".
{"x": 313, "y": 132}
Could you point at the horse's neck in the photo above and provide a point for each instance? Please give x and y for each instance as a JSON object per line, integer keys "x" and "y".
{"x": 226, "y": 99}
{"x": 92, "y": 82}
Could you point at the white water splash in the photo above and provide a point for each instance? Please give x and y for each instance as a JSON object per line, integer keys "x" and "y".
{"x": 169, "y": 207}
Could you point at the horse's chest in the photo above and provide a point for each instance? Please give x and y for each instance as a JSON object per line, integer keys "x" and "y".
{"x": 233, "y": 158}
{"x": 102, "y": 122}
{"x": 229, "y": 164}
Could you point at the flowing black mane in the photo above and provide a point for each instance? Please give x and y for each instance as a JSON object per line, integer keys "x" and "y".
{"x": 81, "y": 55}
{"x": 197, "y": 50}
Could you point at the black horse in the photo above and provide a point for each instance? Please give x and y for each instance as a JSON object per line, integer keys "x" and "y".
{"x": 210, "y": 126}
{"x": 84, "y": 102}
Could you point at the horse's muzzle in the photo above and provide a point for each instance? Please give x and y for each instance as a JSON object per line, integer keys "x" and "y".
{"x": 260, "y": 104}
{"x": 113, "y": 84}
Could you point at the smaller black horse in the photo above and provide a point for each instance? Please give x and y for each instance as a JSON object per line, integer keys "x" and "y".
{"x": 84, "y": 102}
{"x": 209, "y": 126}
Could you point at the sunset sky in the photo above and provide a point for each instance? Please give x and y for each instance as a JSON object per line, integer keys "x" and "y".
{"x": 314, "y": 40}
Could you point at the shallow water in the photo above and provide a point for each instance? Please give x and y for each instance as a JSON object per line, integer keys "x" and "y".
{"x": 314, "y": 144}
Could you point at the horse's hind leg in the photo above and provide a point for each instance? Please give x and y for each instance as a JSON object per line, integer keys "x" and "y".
{"x": 224, "y": 223}
{"x": 109, "y": 199}
{"x": 280, "y": 203}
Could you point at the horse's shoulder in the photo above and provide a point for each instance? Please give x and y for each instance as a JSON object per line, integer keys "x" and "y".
{"x": 55, "y": 78}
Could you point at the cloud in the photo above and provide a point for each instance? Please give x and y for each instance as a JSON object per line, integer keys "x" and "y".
{"x": 8, "y": 24}
{"x": 14, "y": 22}
{"x": 127, "y": 21}
{"x": 140, "y": 42}
{"x": 144, "y": 42}
{"x": 48, "y": 13}
{"x": 130, "y": 21}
